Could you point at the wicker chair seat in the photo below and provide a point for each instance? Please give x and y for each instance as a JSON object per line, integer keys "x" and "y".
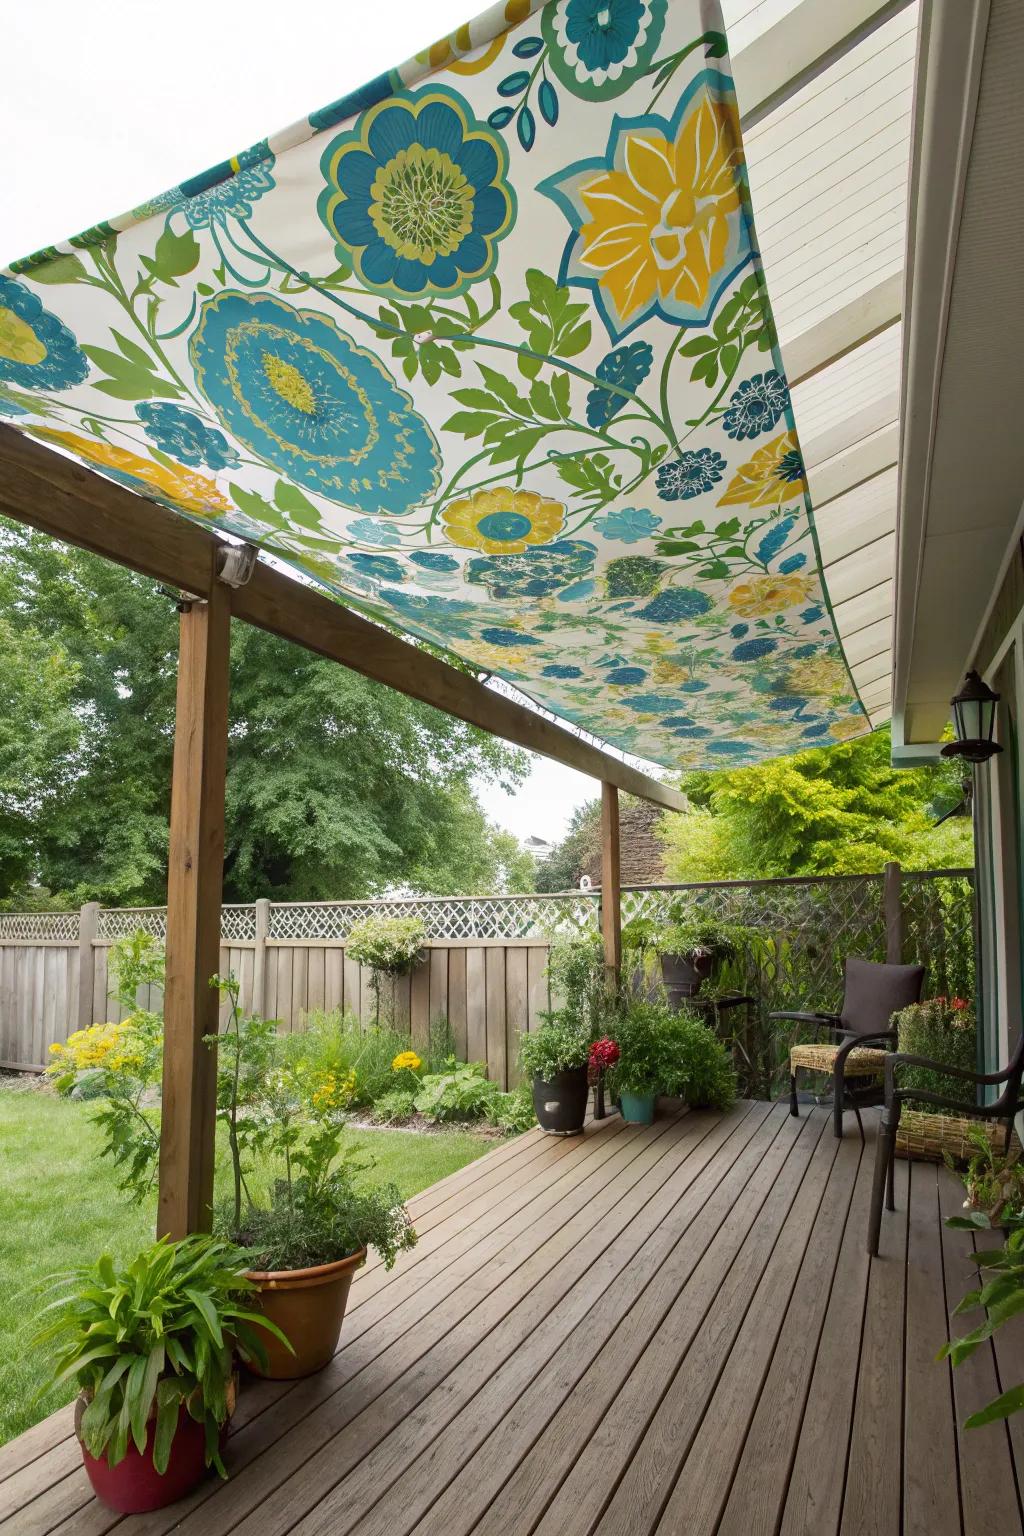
{"x": 861, "y": 1062}
{"x": 929, "y": 1137}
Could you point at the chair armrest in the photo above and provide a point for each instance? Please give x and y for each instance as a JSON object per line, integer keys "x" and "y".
{"x": 852, "y": 1042}
{"x": 902, "y": 1059}
{"x": 830, "y": 1021}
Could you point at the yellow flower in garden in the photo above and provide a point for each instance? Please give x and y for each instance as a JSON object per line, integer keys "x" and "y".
{"x": 406, "y": 1061}
{"x": 192, "y": 492}
{"x": 761, "y": 595}
{"x": 775, "y": 474}
{"x": 658, "y": 219}
{"x": 503, "y": 521}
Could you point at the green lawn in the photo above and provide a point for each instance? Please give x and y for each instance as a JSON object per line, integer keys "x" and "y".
{"x": 59, "y": 1208}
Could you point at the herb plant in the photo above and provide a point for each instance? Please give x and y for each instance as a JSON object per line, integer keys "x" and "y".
{"x": 559, "y": 1044}
{"x": 1002, "y": 1296}
{"x": 151, "y": 1338}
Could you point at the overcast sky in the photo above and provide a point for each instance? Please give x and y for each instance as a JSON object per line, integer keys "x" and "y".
{"x": 105, "y": 105}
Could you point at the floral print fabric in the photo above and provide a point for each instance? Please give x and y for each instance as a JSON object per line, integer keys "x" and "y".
{"x": 485, "y": 349}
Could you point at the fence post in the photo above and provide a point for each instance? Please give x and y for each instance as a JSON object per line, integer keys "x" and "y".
{"x": 88, "y": 927}
{"x": 892, "y": 912}
{"x": 259, "y": 959}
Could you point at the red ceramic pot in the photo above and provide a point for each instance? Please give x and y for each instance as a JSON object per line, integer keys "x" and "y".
{"x": 134, "y": 1485}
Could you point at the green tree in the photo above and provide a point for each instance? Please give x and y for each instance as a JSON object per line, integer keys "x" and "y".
{"x": 337, "y": 786}
{"x": 39, "y": 733}
{"x": 834, "y": 810}
{"x": 564, "y": 865}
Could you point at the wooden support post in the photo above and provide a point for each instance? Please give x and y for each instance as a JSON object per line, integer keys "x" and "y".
{"x": 892, "y": 911}
{"x": 88, "y": 925}
{"x": 194, "y": 879}
{"x": 611, "y": 892}
{"x": 259, "y": 961}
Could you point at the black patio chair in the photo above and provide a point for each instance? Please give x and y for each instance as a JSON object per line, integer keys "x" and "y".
{"x": 872, "y": 993}
{"x": 1003, "y": 1108}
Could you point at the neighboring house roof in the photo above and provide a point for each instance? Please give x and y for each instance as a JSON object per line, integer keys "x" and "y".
{"x": 641, "y": 856}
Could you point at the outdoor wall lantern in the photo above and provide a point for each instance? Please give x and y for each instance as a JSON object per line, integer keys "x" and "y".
{"x": 974, "y": 720}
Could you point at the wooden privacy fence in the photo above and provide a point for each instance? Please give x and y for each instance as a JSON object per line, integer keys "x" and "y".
{"x": 485, "y": 963}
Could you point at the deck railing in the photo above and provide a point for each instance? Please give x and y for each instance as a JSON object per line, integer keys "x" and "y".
{"x": 487, "y": 956}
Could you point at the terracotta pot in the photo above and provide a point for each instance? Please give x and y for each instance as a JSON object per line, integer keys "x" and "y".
{"x": 308, "y": 1306}
{"x": 134, "y": 1485}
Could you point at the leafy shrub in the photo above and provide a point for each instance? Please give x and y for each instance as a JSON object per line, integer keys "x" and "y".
{"x": 1002, "y": 1296}
{"x": 943, "y": 1029}
{"x": 513, "y": 1112}
{"x": 462, "y": 1092}
{"x": 154, "y": 1336}
{"x": 388, "y": 945}
{"x": 560, "y": 1043}
{"x": 395, "y": 1107}
{"x": 577, "y": 974}
{"x": 334, "y": 1044}
{"x": 699, "y": 1066}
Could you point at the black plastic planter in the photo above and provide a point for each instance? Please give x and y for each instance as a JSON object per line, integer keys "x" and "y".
{"x": 561, "y": 1105}
{"x": 684, "y": 975}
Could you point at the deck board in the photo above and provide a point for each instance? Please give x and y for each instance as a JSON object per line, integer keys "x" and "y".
{"x": 664, "y": 1329}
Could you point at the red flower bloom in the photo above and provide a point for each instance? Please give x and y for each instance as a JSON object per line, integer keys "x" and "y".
{"x": 958, "y": 1003}
{"x": 604, "y": 1053}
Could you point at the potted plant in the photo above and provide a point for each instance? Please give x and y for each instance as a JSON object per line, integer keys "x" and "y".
{"x": 640, "y": 1072}
{"x": 689, "y": 944}
{"x": 151, "y": 1346}
{"x": 555, "y": 1056}
{"x": 307, "y": 1232}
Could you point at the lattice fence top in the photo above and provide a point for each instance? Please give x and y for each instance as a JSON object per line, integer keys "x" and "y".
{"x": 39, "y": 925}
{"x": 484, "y": 917}
{"x": 825, "y": 917}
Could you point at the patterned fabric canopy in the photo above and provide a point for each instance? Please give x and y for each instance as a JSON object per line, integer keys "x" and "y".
{"x": 485, "y": 349}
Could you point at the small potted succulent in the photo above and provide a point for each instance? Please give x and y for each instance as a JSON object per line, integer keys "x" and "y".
{"x": 307, "y": 1233}
{"x": 555, "y": 1055}
{"x": 151, "y": 1346}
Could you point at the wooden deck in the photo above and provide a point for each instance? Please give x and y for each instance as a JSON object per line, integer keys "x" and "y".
{"x": 673, "y": 1329}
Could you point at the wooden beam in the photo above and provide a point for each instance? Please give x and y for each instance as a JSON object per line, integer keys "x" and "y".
{"x": 194, "y": 879}
{"x": 809, "y": 37}
{"x": 843, "y": 331}
{"x": 48, "y": 491}
{"x": 611, "y": 886}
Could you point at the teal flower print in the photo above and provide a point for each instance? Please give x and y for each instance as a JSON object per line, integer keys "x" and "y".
{"x": 791, "y": 467}
{"x": 306, "y": 399}
{"x": 690, "y": 475}
{"x": 627, "y": 525}
{"x": 416, "y": 196}
{"x": 536, "y": 572}
{"x": 369, "y": 531}
{"x": 232, "y": 195}
{"x": 37, "y": 350}
{"x": 756, "y": 406}
{"x": 597, "y": 48}
{"x": 628, "y": 367}
{"x": 183, "y": 436}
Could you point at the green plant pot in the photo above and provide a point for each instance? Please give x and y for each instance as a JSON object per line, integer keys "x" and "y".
{"x": 637, "y": 1108}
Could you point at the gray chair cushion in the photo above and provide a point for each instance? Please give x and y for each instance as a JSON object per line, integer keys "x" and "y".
{"x": 874, "y": 992}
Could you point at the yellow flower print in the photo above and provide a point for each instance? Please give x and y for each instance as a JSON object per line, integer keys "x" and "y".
{"x": 503, "y": 521}
{"x": 816, "y": 676}
{"x": 192, "y": 492}
{"x": 775, "y": 474}
{"x": 850, "y": 725}
{"x": 658, "y": 222}
{"x": 665, "y": 671}
{"x": 761, "y": 595}
{"x": 406, "y": 1061}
